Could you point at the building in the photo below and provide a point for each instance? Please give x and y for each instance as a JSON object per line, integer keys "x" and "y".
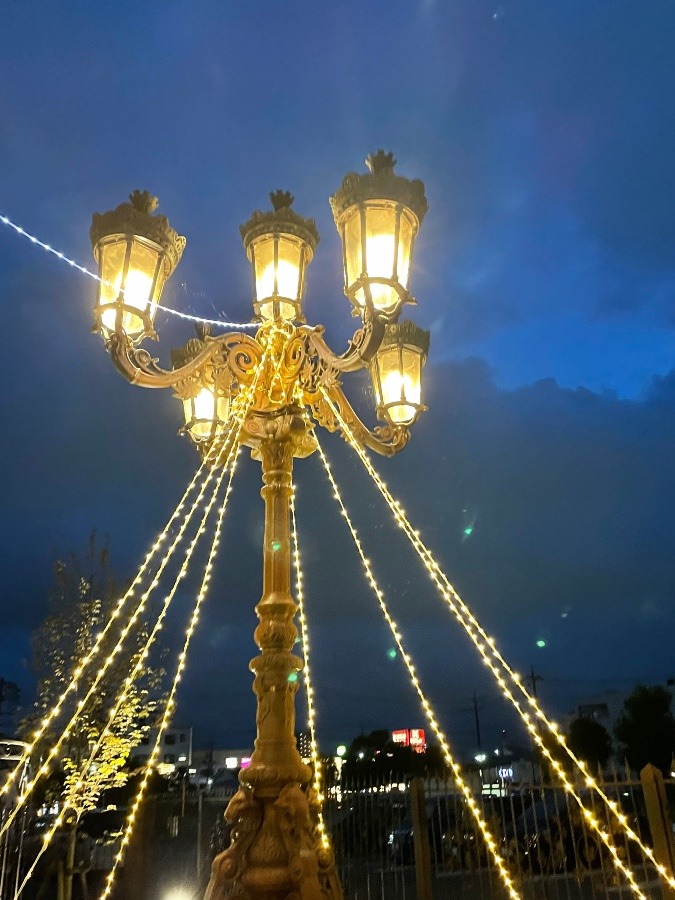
{"x": 175, "y": 751}
{"x": 304, "y": 741}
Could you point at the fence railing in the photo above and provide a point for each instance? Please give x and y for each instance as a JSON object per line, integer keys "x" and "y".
{"x": 551, "y": 851}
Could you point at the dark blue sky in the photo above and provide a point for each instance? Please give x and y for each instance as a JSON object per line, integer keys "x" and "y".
{"x": 545, "y": 135}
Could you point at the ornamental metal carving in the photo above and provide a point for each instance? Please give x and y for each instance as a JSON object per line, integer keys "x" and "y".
{"x": 379, "y": 183}
{"x": 136, "y": 218}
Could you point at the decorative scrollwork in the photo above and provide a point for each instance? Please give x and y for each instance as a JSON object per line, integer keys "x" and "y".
{"x": 360, "y": 350}
{"x": 238, "y": 352}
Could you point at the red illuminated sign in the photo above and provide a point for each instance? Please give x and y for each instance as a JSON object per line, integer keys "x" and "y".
{"x": 414, "y": 738}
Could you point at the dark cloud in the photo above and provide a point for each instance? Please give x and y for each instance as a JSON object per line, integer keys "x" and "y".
{"x": 545, "y": 137}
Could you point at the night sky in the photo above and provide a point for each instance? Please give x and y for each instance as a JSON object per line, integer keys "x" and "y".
{"x": 545, "y": 270}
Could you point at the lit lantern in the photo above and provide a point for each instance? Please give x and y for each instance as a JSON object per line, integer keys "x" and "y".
{"x": 396, "y": 373}
{"x": 206, "y": 400}
{"x": 136, "y": 253}
{"x": 280, "y": 244}
{"x": 206, "y": 414}
{"x": 378, "y": 215}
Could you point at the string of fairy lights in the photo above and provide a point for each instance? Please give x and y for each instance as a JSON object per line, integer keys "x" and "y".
{"x": 462, "y": 785}
{"x": 171, "y": 699}
{"x": 487, "y": 649}
{"x": 85, "y": 271}
{"x": 230, "y": 445}
{"x": 100, "y": 637}
{"x": 182, "y": 658}
{"x": 46, "y": 765}
{"x": 508, "y": 681}
{"x": 317, "y": 774}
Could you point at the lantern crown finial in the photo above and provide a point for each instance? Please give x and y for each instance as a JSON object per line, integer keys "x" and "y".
{"x": 143, "y": 201}
{"x": 380, "y": 162}
{"x": 281, "y": 200}
{"x": 135, "y": 217}
{"x": 380, "y": 182}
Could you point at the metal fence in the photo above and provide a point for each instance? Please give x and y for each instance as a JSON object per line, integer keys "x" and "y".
{"x": 551, "y": 851}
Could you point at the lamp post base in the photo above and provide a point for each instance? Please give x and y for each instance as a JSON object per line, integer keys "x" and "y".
{"x": 273, "y": 855}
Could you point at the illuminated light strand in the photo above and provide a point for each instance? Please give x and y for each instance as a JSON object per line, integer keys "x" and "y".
{"x": 487, "y": 650}
{"x": 232, "y": 455}
{"x": 490, "y": 842}
{"x": 85, "y": 271}
{"x": 170, "y": 704}
{"x": 92, "y": 653}
{"x": 45, "y": 767}
{"x": 317, "y": 781}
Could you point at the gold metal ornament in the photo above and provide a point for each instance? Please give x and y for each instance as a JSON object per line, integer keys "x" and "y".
{"x": 295, "y": 380}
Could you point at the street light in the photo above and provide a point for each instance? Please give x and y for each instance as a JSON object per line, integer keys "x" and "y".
{"x": 136, "y": 253}
{"x": 292, "y": 381}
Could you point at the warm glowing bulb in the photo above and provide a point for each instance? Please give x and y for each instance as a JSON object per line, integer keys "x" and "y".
{"x": 136, "y": 294}
{"x": 287, "y": 280}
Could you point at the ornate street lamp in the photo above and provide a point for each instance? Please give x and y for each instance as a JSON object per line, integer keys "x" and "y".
{"x": 136, "y": 253}
{"x": 378, "y": 215}
{"x": 292, "y": 380}
{"x": 280, "y": 245}
{"x": 396, "y": 373}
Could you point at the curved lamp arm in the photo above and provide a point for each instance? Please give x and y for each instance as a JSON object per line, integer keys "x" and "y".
{"x": 238, "y": 352}
{"x": 331, "y": 409}
{"x": 363, "y": 345}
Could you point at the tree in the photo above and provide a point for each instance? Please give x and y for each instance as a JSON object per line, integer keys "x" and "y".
{"x": 376, "y": 756}
{"x": 82, "y": 599}
{"x": 646, "y": 728}
{"x": 590, "y": 741}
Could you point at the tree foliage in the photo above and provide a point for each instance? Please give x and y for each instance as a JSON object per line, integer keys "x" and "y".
{"x": 590, "y": 741}
{"x": 84, "y": 594}
{"x": 375, "y": 755}
{"x": 646, "y": 728}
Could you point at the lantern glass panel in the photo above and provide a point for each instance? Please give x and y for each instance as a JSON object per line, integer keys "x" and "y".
{"x": 352, "y": 245}
{"x": 111, "y": 269}
{"x": 276, "y": 281}
{"x": 406, "y": 231}
{"x": 132, "y": 288}
{"x": 400, "y": 371}
{"x": 200, "y": 412}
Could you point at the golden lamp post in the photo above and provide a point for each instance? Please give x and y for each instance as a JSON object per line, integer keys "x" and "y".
{"x": 275, "y": 387}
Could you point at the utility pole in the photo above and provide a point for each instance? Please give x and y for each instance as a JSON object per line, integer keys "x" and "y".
{"x": 533, "y": 678}
{"x": 475, "y": 712}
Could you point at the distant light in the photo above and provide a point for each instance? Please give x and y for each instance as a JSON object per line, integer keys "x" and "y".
{"x": 361, "y": 755}
{"x": 564, "y": 615}
{"x": 468, "y": 531}
{"x": 276, "y": 546}
{"x": 182, "y": 759}
{"x": 293, "y": 677}
{"x": 341, "y": 750}
{"x": 480, "y": 757}
{"x": 391, "y": 653}
{"x": 541, "y": 643}
{"x": 231, "y": 762}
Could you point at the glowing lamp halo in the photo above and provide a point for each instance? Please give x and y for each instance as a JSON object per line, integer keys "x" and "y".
{"x": 280, "y": 244}
{"x": 136, "y": 254}
{"x": 396, "y": 373}
{"x": 378, "y": 215}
